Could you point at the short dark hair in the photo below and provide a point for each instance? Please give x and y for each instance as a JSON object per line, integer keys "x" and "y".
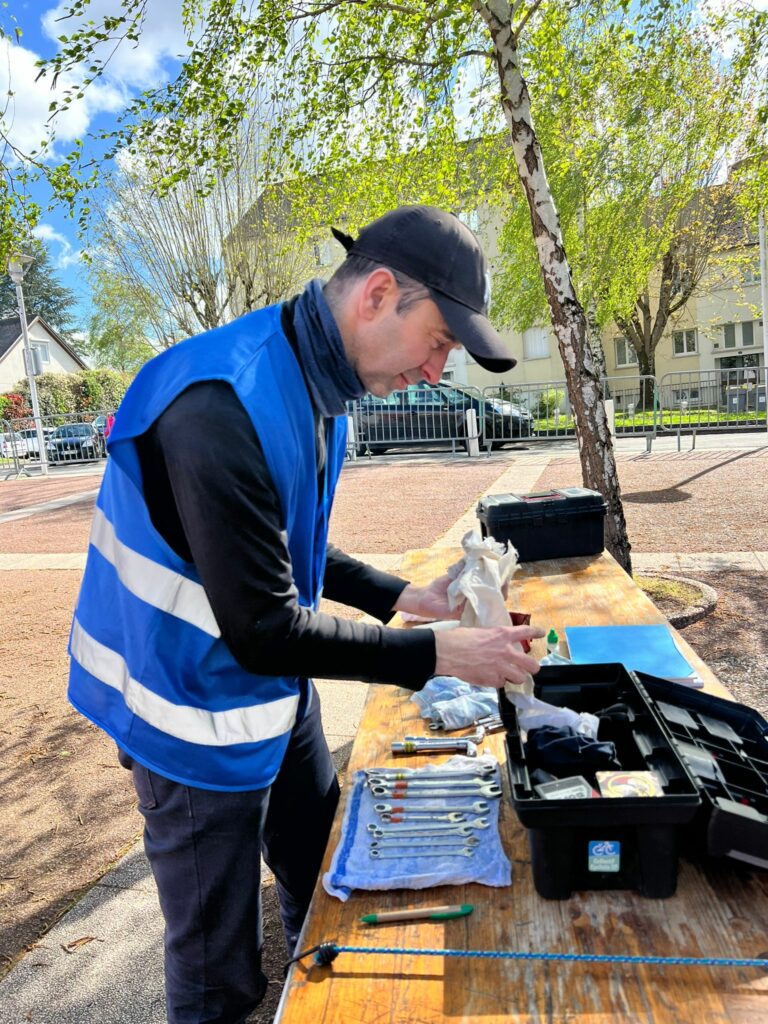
{"x": 356, "y": 267}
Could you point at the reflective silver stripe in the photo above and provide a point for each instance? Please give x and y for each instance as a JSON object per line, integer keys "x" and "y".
{"x": 194, "y": 725}
{"x": 154, "y": 583}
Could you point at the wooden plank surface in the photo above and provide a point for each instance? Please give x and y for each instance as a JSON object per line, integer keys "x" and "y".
{"x": 720, "y": 910}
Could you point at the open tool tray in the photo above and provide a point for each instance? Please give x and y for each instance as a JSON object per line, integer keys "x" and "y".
{"x": 603, "y": 843}
{"x": 725, "y": 746}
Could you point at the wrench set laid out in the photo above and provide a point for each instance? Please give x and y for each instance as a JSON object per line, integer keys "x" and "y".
{"x": 412, "y": 824}
{"x": 414, "y": 828}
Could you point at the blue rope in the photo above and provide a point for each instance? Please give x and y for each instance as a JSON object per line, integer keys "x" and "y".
{"x": 328, "y": 951}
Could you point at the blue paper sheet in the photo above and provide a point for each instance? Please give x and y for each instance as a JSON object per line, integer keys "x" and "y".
{"x": 646, "y": 648}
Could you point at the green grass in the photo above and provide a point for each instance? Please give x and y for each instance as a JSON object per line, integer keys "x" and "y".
{"x": 663, "y": 419}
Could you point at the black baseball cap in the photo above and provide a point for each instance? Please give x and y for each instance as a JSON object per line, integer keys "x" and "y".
{"x": 437, "y": 250}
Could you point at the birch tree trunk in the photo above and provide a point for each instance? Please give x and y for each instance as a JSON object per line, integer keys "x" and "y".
{"x": 598, "y": 463}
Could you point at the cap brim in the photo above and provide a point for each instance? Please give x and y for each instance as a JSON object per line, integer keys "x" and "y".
{"x": 475, "y": 333}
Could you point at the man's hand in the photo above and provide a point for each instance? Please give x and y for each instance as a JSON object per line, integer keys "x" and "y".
{"x": 430, "y": 602}
{"x": 486, "y": 657}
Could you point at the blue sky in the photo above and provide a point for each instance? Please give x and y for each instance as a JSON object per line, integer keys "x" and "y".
{"x": 130, "y": 70}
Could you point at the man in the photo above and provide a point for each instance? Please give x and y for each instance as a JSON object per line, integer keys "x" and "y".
{"x": 196, "y": 629}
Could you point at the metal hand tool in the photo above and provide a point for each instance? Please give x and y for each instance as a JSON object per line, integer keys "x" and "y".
{"x": 415, "y": 816}
{"x": 486, "y": 768}
{"x": 463, "y": 852}
{"x": 470, "y": 787}
{"x": 476, "y": 737}
{"x": 493, "y": 790}
{"x": 421, "y": 745}
{"x": 492, "y": 723}
{"x": 427, "y": 841}
{"x": 424, "y": 829}
{"x": 403, "y": 807}
{"x": 463, "y": 828}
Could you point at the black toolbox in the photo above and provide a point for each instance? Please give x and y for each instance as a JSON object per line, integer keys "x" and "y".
{"x": 561, "y": 523}
{"x": 604, "y": 843}
{"x": 725, "y": 747}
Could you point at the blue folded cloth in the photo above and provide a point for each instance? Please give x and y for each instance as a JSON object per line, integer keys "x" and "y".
{"x": 454, "y": 703}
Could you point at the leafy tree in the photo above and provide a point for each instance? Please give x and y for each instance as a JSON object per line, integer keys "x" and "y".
{"x": 379, "y": 78}
{"x": 44, "y": 294}
{"x": 636, "y": 141}
{"x": 120, "y": 323}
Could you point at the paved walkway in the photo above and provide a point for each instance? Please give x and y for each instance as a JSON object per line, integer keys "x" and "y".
{"x": 103, "y": 961}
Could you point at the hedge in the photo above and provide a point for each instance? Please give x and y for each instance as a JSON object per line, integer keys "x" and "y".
{"x": 86, "y": 391}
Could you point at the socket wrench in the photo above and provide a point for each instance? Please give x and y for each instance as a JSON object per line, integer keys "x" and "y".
{"x": 423, "y": 746}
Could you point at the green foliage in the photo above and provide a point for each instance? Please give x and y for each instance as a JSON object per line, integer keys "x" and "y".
{"x": 120, "y": 322}
{"x": 44, "y": 294}
{"x": 633, "y": 126}
{"x": 549, "y": 400}
{"x": 88, "y": 391}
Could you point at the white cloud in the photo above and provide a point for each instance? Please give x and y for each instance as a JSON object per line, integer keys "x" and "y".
{"x": 27, "y": 110}
{"x": 131, "y": 68}
{"x": 67, "y": 256}
{"x": 136, "y": 66}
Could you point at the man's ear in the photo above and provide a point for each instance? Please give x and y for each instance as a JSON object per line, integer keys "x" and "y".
{"x": 378, "y": 293}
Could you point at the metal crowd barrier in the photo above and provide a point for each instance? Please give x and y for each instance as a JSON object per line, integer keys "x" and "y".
{"x": 12, "y": 451}
{"x": 639, "y": 406}
{"x": 69, "y": 438}
{"x": 420, "y": 416}
{"x": 732, "y": 399}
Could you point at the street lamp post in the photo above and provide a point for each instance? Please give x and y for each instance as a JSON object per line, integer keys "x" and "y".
{"x": 764, "y": 303}
{"x": 17, "y": 267}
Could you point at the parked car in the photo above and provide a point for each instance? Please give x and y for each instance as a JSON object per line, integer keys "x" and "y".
{"x": 12, "y": 443}
{"x": 74, "y": 442}
{"x": 30, "y": 436}
{"x": 102, "y": 426}
{"x": 436, "y": 413}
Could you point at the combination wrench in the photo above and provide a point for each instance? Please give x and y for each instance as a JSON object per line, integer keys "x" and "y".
{"x": 463, "y": 852}
{"x": 404, "y": 807}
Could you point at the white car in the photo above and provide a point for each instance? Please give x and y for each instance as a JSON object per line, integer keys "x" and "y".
{"x": 30, "y": 436}
{"x": 13, "y": 444}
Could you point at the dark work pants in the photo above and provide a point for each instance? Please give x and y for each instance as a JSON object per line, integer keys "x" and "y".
{"x": 204, "y": 848}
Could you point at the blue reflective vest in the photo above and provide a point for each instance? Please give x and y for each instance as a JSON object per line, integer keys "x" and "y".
{"x": 148, "y": 664}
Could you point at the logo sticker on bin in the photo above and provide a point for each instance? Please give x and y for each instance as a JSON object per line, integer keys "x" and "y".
{"x": 604, "y": 855}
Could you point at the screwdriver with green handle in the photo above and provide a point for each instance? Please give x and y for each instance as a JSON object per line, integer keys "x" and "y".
{"x": 446, "y": 913}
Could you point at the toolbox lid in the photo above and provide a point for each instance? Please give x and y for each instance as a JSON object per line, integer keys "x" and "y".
{"x": 724, "y": 745}
{"x": 557, "y": 499}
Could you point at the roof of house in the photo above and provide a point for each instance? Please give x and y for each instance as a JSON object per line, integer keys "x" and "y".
{"x": 10, "y": 332}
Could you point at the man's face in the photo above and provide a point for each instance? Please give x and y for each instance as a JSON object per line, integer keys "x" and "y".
{"x": 403, "y": 348}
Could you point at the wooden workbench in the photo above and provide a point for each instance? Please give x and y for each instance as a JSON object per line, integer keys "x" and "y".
{"x": 720, "y": 910}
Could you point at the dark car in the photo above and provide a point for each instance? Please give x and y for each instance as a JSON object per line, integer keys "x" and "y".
{"x": 437, "y": 413}
{"x": 74, "y": 442}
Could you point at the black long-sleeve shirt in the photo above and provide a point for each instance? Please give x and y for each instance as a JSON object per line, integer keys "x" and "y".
{"x": 211, "y": 497}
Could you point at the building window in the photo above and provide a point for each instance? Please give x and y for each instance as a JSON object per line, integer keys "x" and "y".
{"x": 748, "y": 332}
{"x": 684, "y": 342}
{"x": 729, "y": 335}
{"x": 536, "y": 343}
{"x": 751, "y": 274}
{"x": 44, "y": 350}
{"x": 471, "y": 219}
{"x": 625, "y": 352}
{"x": 322, "y": 254}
